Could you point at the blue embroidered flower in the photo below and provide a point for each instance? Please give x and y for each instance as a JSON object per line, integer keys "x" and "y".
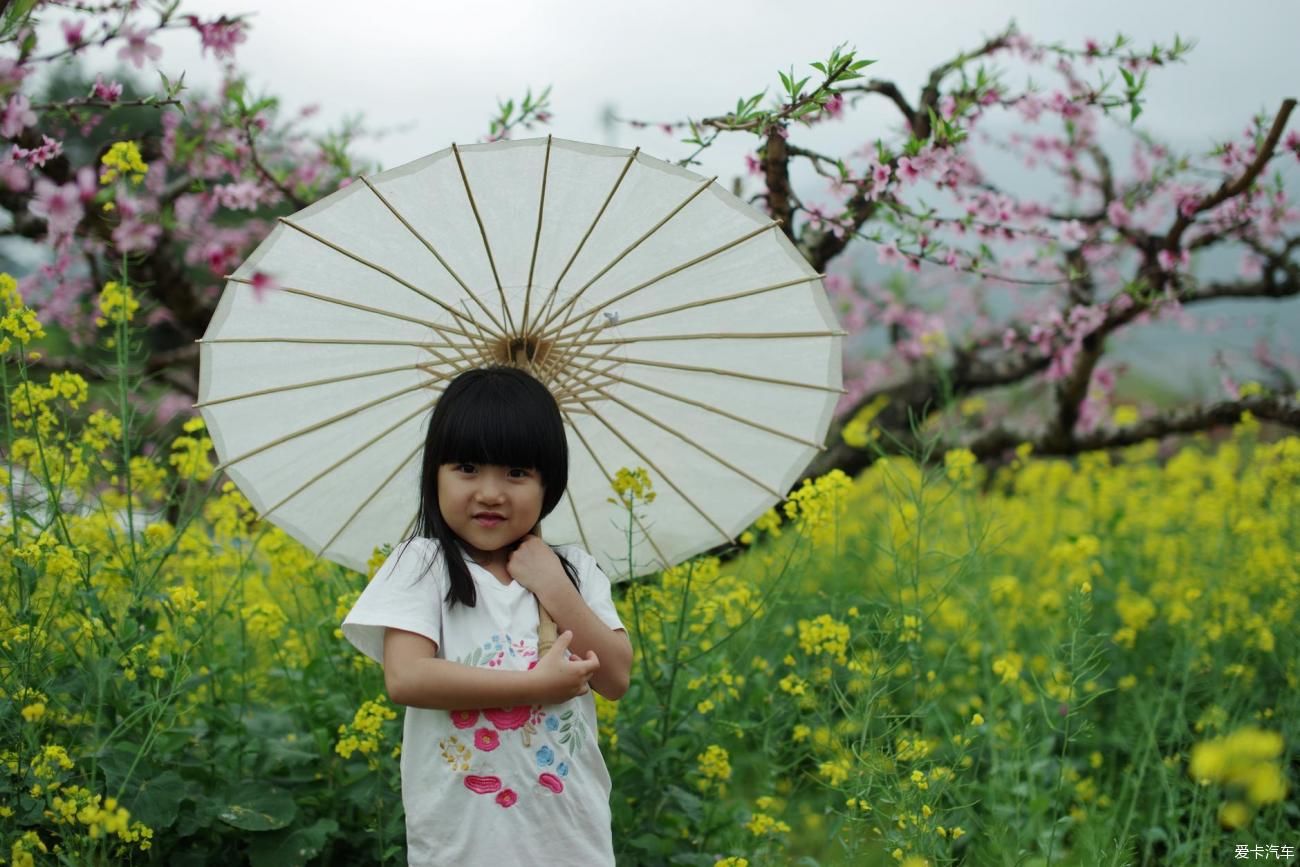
{"x": 562, "y": 769}
{"x": 552, "y": 723}
{"x": 545, "y": 756}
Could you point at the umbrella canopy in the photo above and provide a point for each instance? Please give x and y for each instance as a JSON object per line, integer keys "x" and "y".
{"x": 677, "y": 327}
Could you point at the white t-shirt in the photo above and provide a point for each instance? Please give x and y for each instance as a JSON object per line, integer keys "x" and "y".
{"x": 521, "y": 785}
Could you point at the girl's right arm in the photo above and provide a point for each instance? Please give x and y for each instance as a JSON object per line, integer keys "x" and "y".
{"x": 415, "y": 677}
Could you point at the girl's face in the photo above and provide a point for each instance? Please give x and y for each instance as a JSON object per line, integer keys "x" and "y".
{"x": 469, "y": 493}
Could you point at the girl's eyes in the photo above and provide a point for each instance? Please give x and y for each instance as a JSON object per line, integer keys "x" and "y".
{"x": 470, "y": 468}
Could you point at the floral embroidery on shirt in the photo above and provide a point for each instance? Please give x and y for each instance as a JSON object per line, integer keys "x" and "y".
{"x": 494, "y": 651}
{"x": 482, "y": 785}
{"x": 559, "y": 735}
{"x": 455, "y": 753}
{"x": 573, "y": 731}
{"x": 508, "y": 718}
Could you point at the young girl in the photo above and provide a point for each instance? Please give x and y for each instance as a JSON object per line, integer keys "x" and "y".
{"x": 500, "y": 763}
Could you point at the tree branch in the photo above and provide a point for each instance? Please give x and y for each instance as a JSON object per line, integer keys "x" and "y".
{"x": 776, "y": 174}
{"x": 1229, "y": 189}
{"x": 1283, "y": 410}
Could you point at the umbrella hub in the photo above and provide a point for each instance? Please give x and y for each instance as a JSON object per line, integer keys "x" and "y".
{"x": 526, "y": 351}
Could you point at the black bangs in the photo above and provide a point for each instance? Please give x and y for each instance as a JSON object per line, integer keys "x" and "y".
{"x": 486, "y": 426}
{"x": 499, "y": 415}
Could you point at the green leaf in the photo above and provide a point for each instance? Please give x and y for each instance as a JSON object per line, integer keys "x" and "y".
{"x": 158, "y": 800}
{"x": 15, "y": 17}
{"x": 785, "y": 81}
{"x": 255, "y": 806}
{"x": 292, "y": 847}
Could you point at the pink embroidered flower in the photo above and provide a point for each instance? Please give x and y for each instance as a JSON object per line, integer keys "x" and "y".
{"x": 507, "y": 797}
{"x": 508, "y": 718}
{"x": 551, "y": 782}
{"x": 483, "y": 785}
{"x": 463, "y": 719}
{"x": 486, "y": 740}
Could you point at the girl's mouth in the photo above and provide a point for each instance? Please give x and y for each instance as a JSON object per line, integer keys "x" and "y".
{"x": 489, "y": 520}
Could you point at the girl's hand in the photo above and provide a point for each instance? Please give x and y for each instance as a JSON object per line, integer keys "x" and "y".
{"x": 534, "y": 565}
{"x": 559, "y": 677}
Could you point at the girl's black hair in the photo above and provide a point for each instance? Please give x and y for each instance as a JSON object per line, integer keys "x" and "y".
{"x": 490, "y": 415}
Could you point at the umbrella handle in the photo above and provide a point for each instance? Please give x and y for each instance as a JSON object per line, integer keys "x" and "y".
{"x": 546, "y": 632}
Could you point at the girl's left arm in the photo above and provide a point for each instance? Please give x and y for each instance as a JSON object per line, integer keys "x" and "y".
{"x": 613, "y": 647}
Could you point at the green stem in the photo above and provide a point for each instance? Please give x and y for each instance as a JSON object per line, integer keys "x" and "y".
{"x": 120, "y": 348}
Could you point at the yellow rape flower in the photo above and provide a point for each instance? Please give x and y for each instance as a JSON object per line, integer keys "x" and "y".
{"x": 959, "y": 464}
{"x": 122, "y": 159}
{"x": 1245, "y": 759}
{"x": 17, "y": 320}
{"x": 631, "y": 486}
{"x": 116, "y": 304}
{"x": 715, "y": 767}
{"x": 824, "y": 635}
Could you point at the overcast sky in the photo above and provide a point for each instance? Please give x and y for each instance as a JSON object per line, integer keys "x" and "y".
{"x": 433, "y": 72}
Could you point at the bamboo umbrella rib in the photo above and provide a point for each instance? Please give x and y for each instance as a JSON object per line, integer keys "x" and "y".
{"x": 619, "y": 258}
{"x": 723, "y": 335}
{"x": 510, "y": 325}
{"x": 704, "y": 302}
{"x": 348, "y": 413}
{"x": 481, "y": 347}
{"x": 573, "y": 509}
{"x": 558, "y": 358}
{"x": 550, "y": 298}
{"x": 686, "y": 439}
{"x": 357, "y": 511}
{"x": 315, "y": 296}
{"x": 537, "y": 237}
{"x": 610, "y": 479}
{"x": 329, "y": 380}
{"x": 656, "y": 468}
{"x": 707, "y": 408}
{"x": 348, "y": 341}
{"x": 429, "y": 246}
{"x": 372, "y": 265}
{"x": 671, "y": 271}
{"x": 347, "y": 457}
{"x": 564, "y": 389}
{"x": 646, "y": 362}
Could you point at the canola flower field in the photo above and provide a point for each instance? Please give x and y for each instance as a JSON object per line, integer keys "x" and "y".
{"x": 1087, "y": 662}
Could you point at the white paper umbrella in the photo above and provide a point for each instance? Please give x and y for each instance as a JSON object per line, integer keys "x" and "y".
{"x": 677, "y": 327}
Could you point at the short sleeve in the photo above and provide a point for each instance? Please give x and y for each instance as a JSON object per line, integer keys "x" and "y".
{"x": 404, "y": 594}
{"x": 595, "y": 588}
